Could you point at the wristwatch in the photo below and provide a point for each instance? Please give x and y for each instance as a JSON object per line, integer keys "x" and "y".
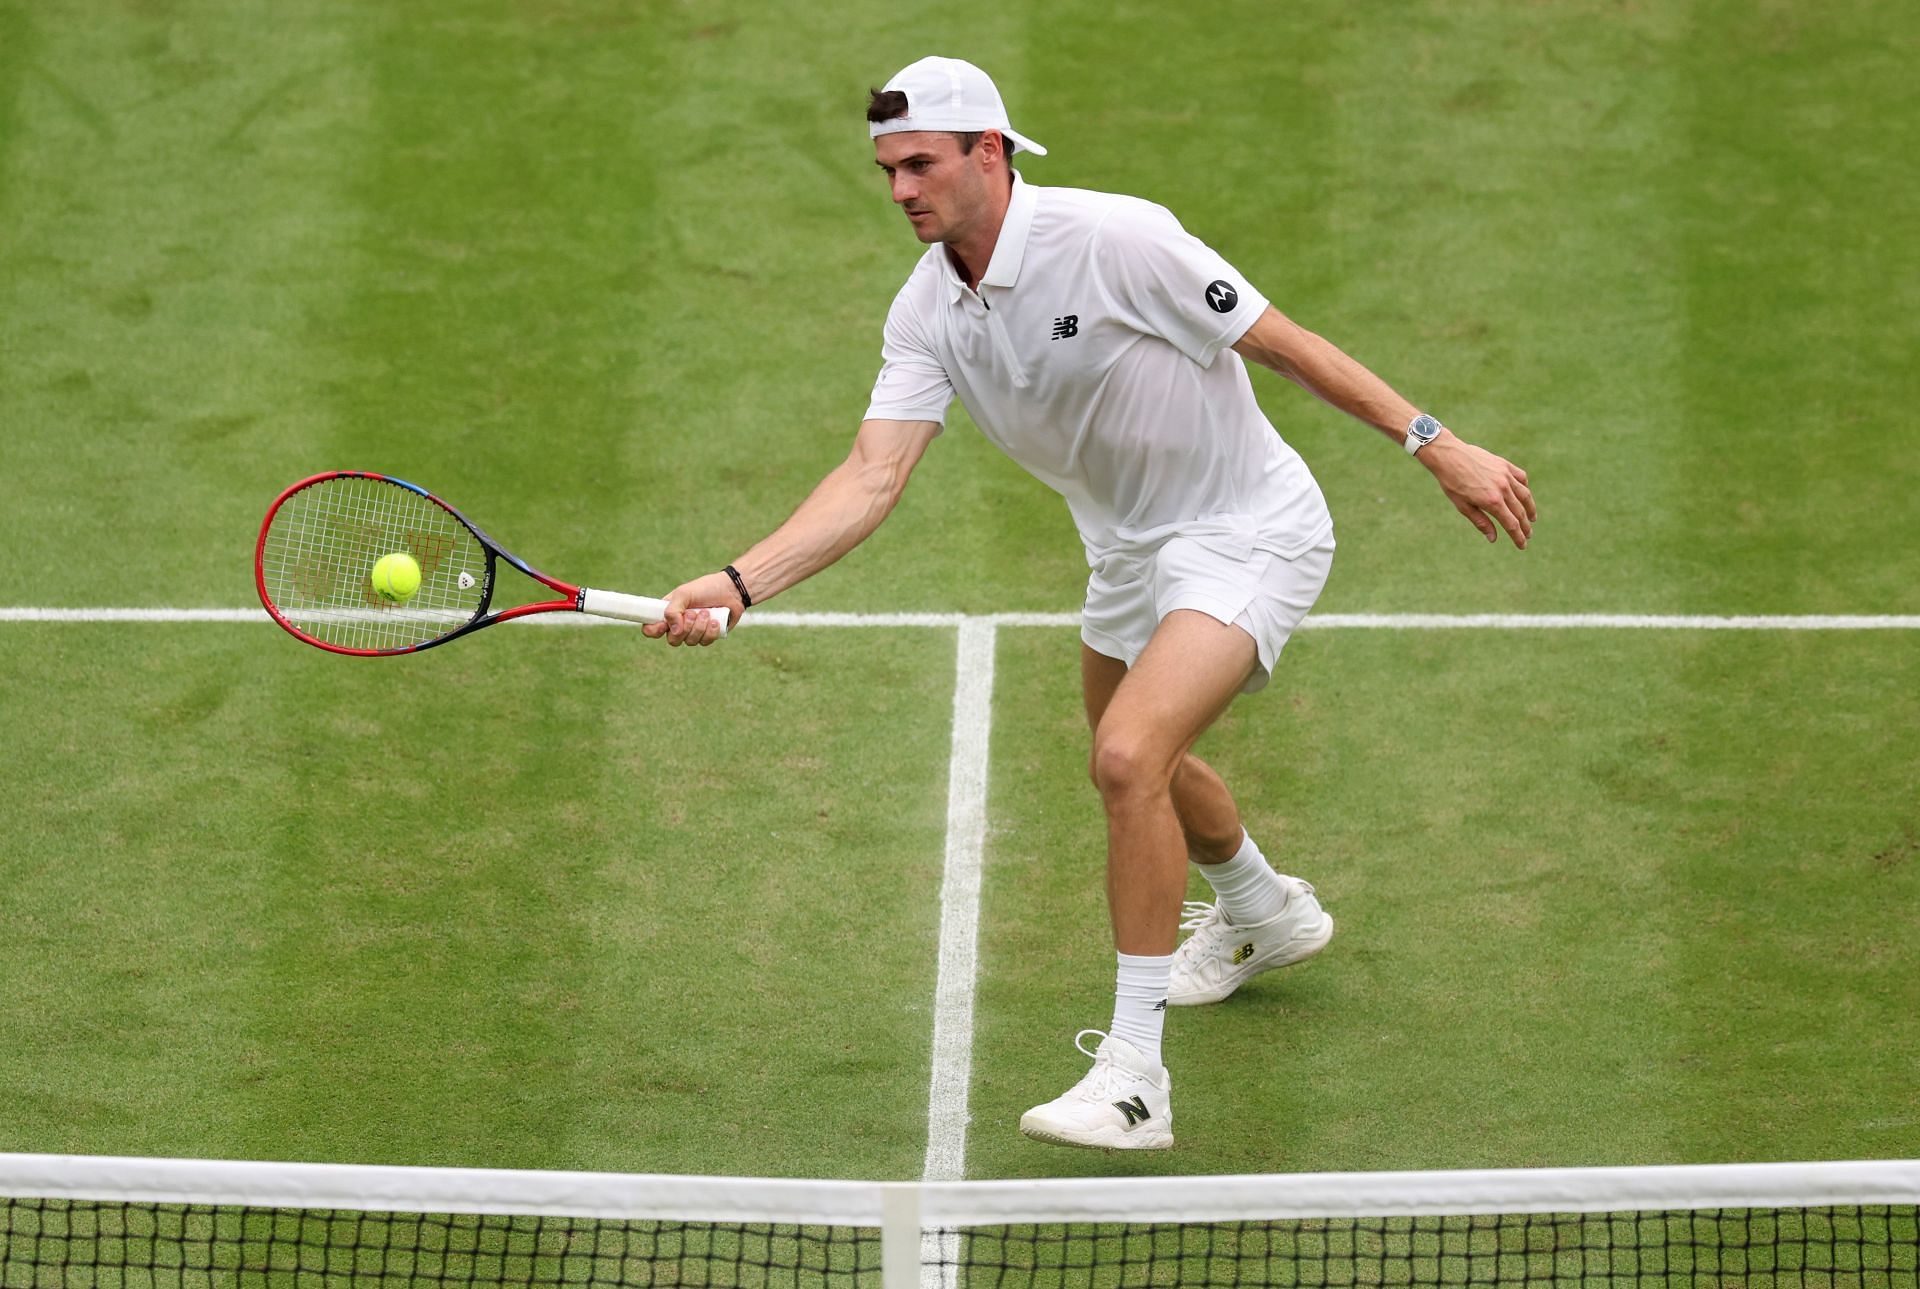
{"x": 1421, "y": 432}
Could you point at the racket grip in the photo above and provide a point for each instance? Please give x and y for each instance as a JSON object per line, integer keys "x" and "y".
{"x": 634, "y": 608}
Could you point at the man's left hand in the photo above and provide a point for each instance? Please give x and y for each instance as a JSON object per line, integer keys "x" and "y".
{"x": 1489, "y": 490}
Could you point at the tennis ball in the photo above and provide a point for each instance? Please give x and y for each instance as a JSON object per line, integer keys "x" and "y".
{"x": 396, "y": 577}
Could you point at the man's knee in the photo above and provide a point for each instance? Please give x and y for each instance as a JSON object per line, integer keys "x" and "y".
{"x": 1125, "y": 766}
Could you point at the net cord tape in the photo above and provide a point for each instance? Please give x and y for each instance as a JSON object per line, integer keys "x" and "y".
{"x": 377, "y": 1188}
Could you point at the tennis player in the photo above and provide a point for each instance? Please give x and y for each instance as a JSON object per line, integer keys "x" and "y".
{"x": 1104, "y": 348}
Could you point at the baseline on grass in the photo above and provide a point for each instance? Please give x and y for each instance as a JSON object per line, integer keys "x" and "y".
{"x": 322, "y": 538}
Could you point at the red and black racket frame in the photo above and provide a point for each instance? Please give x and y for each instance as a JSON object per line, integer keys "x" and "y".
{"x": 481, "y": 618}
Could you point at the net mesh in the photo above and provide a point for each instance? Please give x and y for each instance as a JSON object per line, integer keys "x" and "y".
{"x": 321, "y": 546}
{"x": 1853, "y": 1246}
{"x": 46, "y": 1244}
{"x": 961, "y": 1237}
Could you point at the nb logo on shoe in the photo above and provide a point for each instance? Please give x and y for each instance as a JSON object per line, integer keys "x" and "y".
{"x": 1241, "y": 954}
{"x": 1066, "y": 328}
{"x": 1135, "y": 1109}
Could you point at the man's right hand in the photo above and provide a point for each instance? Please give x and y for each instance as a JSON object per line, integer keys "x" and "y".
{"x": 688, "y": 621}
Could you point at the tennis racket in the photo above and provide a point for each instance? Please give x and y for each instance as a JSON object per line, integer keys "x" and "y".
{"x": 314, "y": 566}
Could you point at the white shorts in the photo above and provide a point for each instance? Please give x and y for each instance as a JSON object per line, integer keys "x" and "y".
{"x": 1264, "y": 595}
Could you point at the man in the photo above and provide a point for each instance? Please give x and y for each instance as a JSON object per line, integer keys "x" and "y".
{"x": 1100, "y": 345}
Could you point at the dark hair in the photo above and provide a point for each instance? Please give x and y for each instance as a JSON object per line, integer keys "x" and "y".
{"x": 888, "y": 105}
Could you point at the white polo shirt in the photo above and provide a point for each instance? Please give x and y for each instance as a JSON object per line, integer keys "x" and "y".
{"x": 1096, "y": 353}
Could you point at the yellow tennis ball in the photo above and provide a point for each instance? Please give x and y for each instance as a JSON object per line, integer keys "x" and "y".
{"x": 396, "y": 577}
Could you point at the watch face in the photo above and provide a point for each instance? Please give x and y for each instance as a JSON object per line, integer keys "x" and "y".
{"x": 1424, "y": 428}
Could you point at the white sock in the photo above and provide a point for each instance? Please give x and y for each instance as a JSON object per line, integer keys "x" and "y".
{"x": 1248, "y": 889}
{"x": 1140, "y": 1001}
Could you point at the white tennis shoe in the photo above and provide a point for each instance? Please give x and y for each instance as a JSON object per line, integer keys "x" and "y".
{"x": 1219, "y": 957}
{"x": 1122, "y": 1103}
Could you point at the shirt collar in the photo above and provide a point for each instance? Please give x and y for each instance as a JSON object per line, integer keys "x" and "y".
{"x": 1009, "y": 249}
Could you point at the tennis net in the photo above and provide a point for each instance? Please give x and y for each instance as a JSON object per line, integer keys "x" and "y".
{"x": 151, "y": 1223}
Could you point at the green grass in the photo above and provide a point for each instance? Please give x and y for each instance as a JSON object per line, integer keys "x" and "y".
{"x": 535, "y": 906}
{"x": 1624, "y": 916}
{"x": 610, "y": 276}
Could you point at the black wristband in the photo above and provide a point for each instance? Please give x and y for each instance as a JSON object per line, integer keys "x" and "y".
{"x": 746, "y": 601}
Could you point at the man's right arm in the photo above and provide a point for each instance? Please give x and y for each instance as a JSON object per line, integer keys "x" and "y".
{"x": 838, "y": 515}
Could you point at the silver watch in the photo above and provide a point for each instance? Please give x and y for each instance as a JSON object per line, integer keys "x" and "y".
{"x": 1421, "y": 432}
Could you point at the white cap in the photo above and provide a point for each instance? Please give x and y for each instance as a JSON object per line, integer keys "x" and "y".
{"x": 950, "y": 94}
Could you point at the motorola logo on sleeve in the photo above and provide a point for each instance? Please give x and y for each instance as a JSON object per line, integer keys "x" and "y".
{"x": 1221, "y": 297}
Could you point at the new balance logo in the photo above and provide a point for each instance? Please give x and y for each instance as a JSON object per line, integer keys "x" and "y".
{"x": 1066, "y": 328}
{"x": 1161, "y": 1005}
{"x": 1241, "y": 954}
{"x": 1135, "y": 1109}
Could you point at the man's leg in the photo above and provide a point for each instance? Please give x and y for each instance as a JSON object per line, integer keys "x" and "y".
{"x": 1208, "y": 815}
{"x": 1189, "y": 672}
{"x": 1184, "y": 679}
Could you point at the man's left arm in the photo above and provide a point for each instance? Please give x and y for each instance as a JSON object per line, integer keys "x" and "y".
{"x": 1487, "y": 489}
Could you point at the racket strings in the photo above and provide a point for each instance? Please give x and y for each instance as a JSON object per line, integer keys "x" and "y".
{"x": 321, "y": 546}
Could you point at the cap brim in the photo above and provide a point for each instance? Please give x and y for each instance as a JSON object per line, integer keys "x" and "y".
{"x": 1021, "y": 143}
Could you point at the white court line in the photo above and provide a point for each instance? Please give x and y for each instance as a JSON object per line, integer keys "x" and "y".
{"x": 1616, "y": 621}
{"x": 1321, "y": 621}
{"x": 960, "y": 906}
